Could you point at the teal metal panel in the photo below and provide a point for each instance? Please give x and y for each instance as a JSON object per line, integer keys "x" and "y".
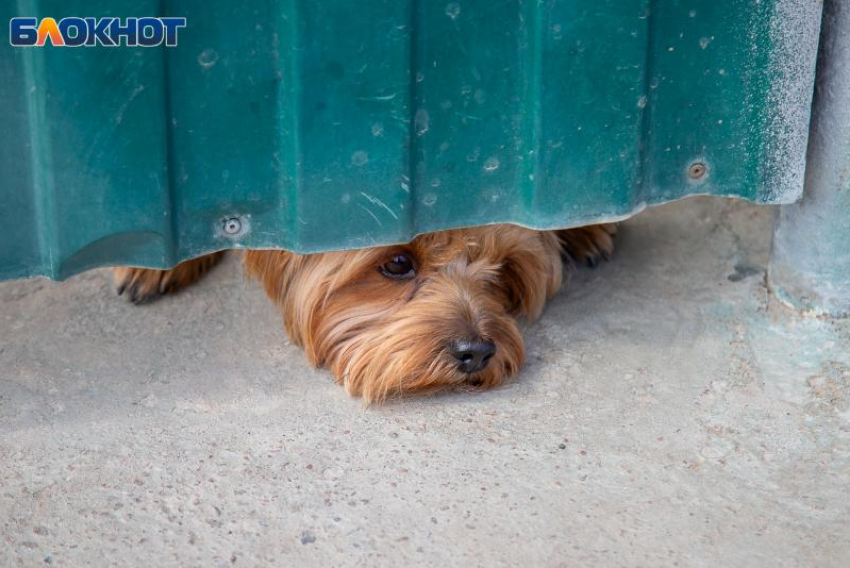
{"x": 340, "y": 124}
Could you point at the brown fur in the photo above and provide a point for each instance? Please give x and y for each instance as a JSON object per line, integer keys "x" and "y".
{"x": 380, "y": 336}
{"x": 143, "y": 284}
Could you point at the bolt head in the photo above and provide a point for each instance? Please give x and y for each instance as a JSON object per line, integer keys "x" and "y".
{"x": 232, "y": 226}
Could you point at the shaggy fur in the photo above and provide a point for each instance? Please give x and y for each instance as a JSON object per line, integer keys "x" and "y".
{"x": 382, "y": 336}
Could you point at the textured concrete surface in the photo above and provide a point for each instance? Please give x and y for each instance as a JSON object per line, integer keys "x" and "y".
{"x": 671, "y": 414}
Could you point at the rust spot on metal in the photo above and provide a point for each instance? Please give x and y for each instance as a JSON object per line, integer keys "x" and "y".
{"x": 697, "y": 170}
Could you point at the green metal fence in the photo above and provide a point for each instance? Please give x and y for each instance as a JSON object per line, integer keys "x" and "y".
{"x": 337, "y": 124}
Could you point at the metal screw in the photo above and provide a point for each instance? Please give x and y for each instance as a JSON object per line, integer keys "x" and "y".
{"x": 697, "y": 170}
{"x": 232, "y": 226}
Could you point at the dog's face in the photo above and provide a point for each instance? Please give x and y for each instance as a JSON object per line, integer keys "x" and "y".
{"x": 438, "y": 312}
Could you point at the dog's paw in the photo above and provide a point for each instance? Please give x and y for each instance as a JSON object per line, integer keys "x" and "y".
{"x": 587, "y": 245}
{"x": 145, "y": 284}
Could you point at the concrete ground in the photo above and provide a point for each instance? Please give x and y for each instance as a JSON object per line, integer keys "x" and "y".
{"x": 671, "y": 413}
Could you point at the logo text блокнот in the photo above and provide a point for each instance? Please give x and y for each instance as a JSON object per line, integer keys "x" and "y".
{"x": 89, "y": 32}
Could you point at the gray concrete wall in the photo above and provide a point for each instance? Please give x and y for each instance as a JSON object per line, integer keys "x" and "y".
{"x": 810, "y": 265}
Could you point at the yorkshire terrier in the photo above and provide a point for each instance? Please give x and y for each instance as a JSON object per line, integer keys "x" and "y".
{"x": 439, "y": 312}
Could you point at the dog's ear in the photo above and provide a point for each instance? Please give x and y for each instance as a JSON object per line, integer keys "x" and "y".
{"x": 281, "y": 273}
{"x": 532, "y": 274}
{"x": 273, "y": 268}
{"x": 299, "y": 285}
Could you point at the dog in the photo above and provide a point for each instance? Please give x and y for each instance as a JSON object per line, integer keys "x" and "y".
{"x": 439, "y": 312}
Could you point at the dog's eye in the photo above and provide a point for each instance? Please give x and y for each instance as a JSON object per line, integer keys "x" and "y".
{"x": 399, "y": 267}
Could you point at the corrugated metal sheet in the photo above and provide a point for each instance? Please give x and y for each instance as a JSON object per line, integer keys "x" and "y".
{"x": 335, "y": 124}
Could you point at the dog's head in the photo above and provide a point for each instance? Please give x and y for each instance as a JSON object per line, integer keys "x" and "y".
{"x": 438, "y": 312}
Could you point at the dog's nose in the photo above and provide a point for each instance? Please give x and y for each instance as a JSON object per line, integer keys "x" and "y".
{"x": 472, "y": 355}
